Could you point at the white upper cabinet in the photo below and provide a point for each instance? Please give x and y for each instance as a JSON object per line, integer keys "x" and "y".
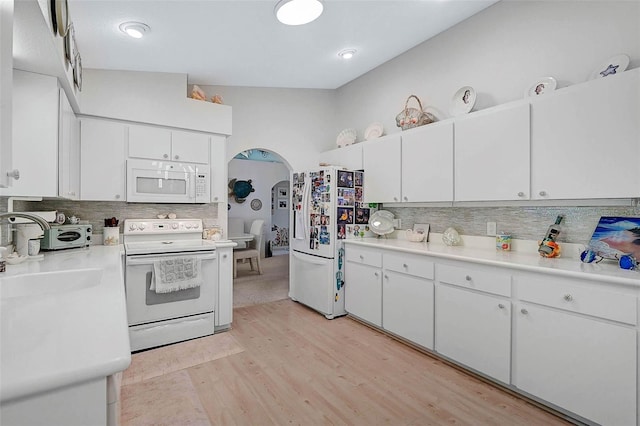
{"x": 586, "y": 140}
{"x": 492, "y": 160}
{"x": 68, "y": 151}
{"x": 6, "y": 83}
{"x": 189, "y": 146}
{"x": 103, "y": 160}
{"x": 427, "y": 163}
{"x": 164, "y": 144}
{"x": 382, "y": 163}
{"x": 349, "y": 156}
{"x": 218, "y": 162}
{"x": 35, "y": 135}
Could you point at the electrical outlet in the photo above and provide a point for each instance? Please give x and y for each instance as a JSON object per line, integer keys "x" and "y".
{"x": 491, "y": 229}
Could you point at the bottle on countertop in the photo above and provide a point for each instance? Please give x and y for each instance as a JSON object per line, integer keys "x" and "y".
{"x": 548, "y": 246}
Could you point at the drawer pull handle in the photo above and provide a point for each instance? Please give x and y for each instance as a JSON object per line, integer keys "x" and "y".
{"x": 361, "y": 257}
{"x": 500, "y": 305}
{"x": 468, "y": 278}
{"x": 404, "y": 265}
{"x": 543, "y": 193}
{"x": 386, "y": 277}
{"x": 524, "y": 311}
{"x": 568, "y": 297}
{"x": 376, "y": 274}
{"x": 520, "y": 194}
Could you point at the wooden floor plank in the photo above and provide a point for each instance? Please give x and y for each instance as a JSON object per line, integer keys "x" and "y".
{"x": 297, "y": 367}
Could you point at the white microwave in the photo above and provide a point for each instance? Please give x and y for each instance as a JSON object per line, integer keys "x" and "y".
{"x": 155, "y": 181}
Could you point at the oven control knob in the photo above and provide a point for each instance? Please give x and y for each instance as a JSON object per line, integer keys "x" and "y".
{"x": 133, "y": 227}
{"x": 188, "y": 225}
{"x": 174, "y": 225}
{"x": 141, "y": 226}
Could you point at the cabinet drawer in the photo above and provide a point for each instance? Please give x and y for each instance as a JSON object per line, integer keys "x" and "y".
{"x": 410, "y": 264}
{"x": 571, "y": 295}
{"x": 477, "y": 278}
{"x": 364, "y": 256}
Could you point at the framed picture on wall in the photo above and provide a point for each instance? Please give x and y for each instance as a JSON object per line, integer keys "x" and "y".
{"x": 283, "y": 204}
{"x": 283, "y": 193}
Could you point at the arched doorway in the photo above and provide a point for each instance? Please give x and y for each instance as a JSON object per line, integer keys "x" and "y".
{"x": 269, "y": 201}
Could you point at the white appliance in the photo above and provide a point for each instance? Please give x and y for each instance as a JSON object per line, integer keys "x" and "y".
{"x": 327, "y": 207}
{"x": 159, "y": 318}
{"x": 155, "y": 181}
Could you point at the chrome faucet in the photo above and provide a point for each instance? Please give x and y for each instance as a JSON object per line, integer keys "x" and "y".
{"x": 35, "y": 218}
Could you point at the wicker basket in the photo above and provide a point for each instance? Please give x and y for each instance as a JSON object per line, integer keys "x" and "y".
{"x": 413, "y": 117}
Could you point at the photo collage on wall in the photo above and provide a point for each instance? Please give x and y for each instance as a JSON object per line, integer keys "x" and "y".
{"x": 352, "y": 215}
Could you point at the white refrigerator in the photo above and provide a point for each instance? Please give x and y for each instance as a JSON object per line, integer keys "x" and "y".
{"x": 327, "y": 207}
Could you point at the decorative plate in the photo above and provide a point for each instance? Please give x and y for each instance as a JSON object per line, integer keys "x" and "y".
{"x": 62, "y": 17}
{"x": 463, "y": 101}
{"x": 541, "y": 86}
{"x": 381, "y": 222}
{"x": 256, "y": 204}
{"x": 374, "y": 130}
{"x": 67, "y": 46}
{"x": 346, "y": 137}
{"x": 614, "y": 65}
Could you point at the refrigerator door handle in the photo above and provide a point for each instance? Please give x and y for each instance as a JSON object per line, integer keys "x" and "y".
{"x": 309, "y": 260}
{"x": 305, "y": 209}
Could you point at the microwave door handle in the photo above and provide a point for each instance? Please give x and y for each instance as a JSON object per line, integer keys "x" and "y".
{"x": 192, "y": 185}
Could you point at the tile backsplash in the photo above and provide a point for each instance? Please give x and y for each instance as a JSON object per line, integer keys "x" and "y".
{"x": 96, "y": 211}
{"x": 529, "y": 223}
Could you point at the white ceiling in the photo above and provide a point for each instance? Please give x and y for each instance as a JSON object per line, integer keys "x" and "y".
{"x": 240, "y": 42}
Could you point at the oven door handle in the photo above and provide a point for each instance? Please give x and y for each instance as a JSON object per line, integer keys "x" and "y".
{"x": 148, "y": 260}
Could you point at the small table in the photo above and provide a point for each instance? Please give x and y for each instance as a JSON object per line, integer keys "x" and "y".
{"x": 241, "y": 238}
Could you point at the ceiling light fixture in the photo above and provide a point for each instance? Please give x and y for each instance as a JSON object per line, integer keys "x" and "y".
{"x": 347, "y": 53}
{"x": 134, "y": 29}
{"x": 298, "y": 12}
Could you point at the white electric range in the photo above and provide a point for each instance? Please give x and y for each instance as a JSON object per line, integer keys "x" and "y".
{"x": 171, "y": 281}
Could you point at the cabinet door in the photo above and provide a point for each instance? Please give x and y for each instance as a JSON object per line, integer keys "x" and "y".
{"x": 190, "y": 147}
{"x": 6, "y": 89}
{"x": 492, "y": 154}
{"x": 363, "y": 292}
{"x": 224, "y": 310}
{"x": 583, "y": 365}
{"x": 427, "y": 163}
{"x": 102, "y": 152}
{"x": 35, "y": 135}
{"x": 149, "y": 142}
{"x": 586, "y": 140}
{"x": 381, "y": 160}
{"x": 407, "y": 307}
{"x": 218, "y": 163}
{"x": 474, "y": 329}
{"x": 69, "y": 151}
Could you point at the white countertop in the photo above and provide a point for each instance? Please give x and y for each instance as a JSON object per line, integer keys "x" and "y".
{"x": 58, "y": 339}
{"x": 530, "y": 260}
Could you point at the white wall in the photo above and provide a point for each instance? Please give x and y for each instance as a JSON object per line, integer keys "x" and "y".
{"x": 297, "y": 124}
{"x": 500, "y": 52}
{"x": 264, "y": 176}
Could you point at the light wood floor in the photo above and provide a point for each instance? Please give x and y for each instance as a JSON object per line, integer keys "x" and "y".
{"x": 285, "y": 364}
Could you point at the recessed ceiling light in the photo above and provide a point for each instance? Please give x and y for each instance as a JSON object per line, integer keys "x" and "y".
{"x": 298, "y": 12}
{"x": 134, "y": 29}
{"x": 347, "y": 53}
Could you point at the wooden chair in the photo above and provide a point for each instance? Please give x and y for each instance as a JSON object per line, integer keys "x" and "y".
{"x": 252, "y": 252}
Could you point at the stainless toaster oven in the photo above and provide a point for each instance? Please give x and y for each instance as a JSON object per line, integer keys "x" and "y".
{"x": 66, "y": 236}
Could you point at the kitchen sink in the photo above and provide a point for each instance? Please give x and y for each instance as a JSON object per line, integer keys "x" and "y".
{"x": 43, "y": 283}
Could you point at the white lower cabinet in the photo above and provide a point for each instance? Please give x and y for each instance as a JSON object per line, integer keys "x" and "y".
{"x": 580, "y": 364}
{"x": 363, "y": 284}
{"x": 474, "y": 329}
{"x": 407, "y": 297}
{"x": 363, "y": 292}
